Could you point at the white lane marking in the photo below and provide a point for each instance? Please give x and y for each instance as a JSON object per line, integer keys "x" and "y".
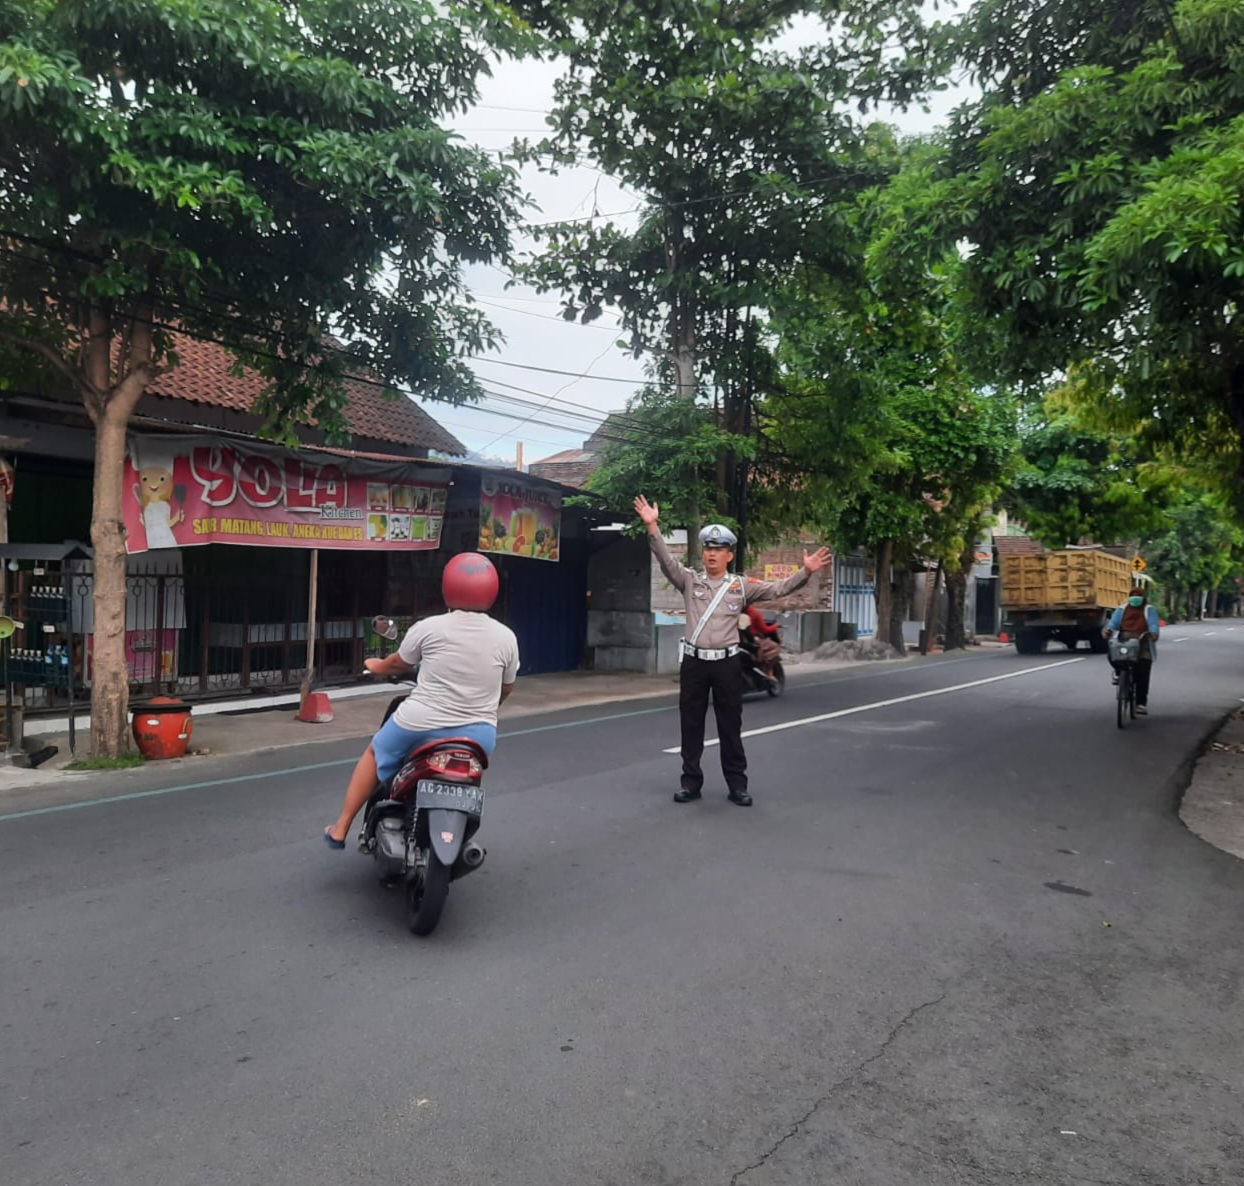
{"x": 1209, "y": 634}
{"x": 846, "y": 712}
{"x": 1183, "y": 638}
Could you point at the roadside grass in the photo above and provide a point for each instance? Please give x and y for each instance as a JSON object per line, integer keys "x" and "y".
{"x": 124, "y": 762}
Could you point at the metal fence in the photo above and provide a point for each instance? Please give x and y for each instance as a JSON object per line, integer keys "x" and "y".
{"x": 231, "y": 620}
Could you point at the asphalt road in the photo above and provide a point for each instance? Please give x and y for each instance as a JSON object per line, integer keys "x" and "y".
{"x": 961, "y": 938}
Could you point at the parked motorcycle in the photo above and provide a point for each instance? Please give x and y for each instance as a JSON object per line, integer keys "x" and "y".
{"x": 420, "y": 827}
{"x": 762, "y": 658}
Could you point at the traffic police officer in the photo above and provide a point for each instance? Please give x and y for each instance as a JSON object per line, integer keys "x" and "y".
{"x": 714, "y": 598}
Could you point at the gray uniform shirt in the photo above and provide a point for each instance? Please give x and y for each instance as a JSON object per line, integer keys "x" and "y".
{"x": 698, "y": 591}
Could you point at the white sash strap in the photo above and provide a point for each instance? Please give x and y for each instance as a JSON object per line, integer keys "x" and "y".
{"x": 726, "y": 586}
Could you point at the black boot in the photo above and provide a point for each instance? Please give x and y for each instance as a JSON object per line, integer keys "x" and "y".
{"x": 741, "y": 797}
{"x": 685, "y": 795}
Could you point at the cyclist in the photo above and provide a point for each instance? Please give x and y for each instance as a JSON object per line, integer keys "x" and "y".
{"x": 1136, "y": 618}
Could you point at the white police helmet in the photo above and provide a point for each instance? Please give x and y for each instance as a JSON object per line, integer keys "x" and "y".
{"x": 717, "y": 535}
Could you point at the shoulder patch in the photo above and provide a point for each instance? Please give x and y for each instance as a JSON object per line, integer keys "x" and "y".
{"x": 754, "y": 581}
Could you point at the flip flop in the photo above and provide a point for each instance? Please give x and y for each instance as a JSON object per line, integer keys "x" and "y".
{"x": 335, "y": 844}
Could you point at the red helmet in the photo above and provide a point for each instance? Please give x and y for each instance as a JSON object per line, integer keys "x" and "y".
{"x": 470, "y": 582}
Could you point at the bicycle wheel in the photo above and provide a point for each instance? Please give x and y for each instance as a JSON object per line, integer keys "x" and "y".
{"x": 1126, "y": 698}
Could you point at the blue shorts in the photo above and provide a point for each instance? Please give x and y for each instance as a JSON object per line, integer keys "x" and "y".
{"x": 393, "y": 744}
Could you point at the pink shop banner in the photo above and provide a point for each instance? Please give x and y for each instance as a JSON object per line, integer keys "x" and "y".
{"x": 181, "y": 492}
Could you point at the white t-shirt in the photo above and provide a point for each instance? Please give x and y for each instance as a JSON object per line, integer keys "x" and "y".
{"x": 463, "y": 659}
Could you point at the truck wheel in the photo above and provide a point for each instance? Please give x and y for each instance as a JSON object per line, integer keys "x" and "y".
{"x": 1030, "y": 642}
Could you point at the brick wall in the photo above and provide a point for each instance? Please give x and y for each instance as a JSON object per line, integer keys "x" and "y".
{"x": 818, "y": 593}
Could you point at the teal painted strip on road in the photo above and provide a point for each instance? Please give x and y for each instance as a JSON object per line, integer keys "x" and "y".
{"x": 189, "y": 786}
{"x": 222, "y": 782}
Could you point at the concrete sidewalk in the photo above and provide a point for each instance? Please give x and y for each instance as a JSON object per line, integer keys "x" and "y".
{"x": 261, "y": 728}
{"x": 1213, "y": 805}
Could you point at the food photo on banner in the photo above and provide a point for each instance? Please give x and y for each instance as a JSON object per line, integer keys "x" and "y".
{"x": 197, "y": 490}
{"x": 519, "y": 518}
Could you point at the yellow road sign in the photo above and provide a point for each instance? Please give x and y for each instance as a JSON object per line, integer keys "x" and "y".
{"x": 1139, "y": 565}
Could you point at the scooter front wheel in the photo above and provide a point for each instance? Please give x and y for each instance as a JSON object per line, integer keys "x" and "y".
{"x": 425, "y": 898}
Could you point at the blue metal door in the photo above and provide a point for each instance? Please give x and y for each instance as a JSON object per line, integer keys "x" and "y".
{"x": 546, "y": 607}
{"x": 855, "y": 596}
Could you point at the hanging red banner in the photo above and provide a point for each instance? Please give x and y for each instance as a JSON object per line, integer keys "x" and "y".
{"x": 186, "y": 491}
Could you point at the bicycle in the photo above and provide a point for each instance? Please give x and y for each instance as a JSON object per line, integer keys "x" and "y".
{"x": 1124, "y": 656}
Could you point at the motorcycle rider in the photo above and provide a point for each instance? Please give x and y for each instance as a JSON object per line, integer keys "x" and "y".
{"x": 714, "y": 598}
{"x": 754, "y": 638}
{"x": 467, "y": 662}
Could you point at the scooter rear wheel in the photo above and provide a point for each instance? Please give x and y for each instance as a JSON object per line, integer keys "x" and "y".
{"x": 426, "y": 899}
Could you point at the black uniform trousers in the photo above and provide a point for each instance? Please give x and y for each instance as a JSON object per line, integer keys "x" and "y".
{"x": 724, "y": 678}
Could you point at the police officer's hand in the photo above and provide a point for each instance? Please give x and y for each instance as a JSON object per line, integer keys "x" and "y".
{"x": 647, "y": 511}
{"x": 815, "y": 561}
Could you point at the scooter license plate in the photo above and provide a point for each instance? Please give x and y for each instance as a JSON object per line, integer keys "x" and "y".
{"x": 449, "y": 796}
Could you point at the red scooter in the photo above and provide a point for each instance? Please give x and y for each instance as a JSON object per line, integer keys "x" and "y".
{"x": 420, "y": 827}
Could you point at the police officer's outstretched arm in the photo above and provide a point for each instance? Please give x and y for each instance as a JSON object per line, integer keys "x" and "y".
{"x": 772, "y": 590}
{"x": 674, "y": 572}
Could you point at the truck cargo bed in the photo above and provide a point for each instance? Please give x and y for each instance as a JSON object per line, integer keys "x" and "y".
{"x": 1064, "y": 580}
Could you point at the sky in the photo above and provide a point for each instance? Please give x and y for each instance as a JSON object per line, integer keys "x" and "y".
{"x": 577, "y": 372}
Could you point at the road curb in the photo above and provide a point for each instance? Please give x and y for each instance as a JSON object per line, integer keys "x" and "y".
{"x": 1212, "y": 806}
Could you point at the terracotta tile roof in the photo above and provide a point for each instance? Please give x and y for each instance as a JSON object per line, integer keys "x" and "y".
{"x": 205, "y": 376}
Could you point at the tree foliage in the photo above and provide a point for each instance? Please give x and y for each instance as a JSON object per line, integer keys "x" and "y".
{"x": 740, "y": 152}
{"x": 273, "y": 176}
{"x": 1077, "y": 485}
{"x": 1200, "y": 549}
{"x": 1098, "y": 183}
{"x": 673, "y": 454}
{"x": 892, "y": 444}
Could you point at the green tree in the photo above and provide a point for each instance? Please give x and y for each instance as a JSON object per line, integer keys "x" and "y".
{"x": 740, "y": 154}
{"x": 1097, "y": 185}
{"x": 1197, "y": 552}
{"x": 1077, "y": 484}
{"x": 256, "y": 172}
{"x": 888, "y": 439}
{"x": 667, "y": 448}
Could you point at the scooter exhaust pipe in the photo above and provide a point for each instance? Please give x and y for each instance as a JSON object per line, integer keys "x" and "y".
{"x": 469, "y": 859}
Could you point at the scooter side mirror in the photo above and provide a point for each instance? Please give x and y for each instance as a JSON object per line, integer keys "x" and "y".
{"x": 385, "y": 627}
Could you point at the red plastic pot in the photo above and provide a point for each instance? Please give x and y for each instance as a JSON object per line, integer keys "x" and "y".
{"x": 162, "y": 728}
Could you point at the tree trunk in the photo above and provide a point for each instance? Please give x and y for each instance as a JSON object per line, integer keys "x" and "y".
{"x": 881, "y": 586}
{"x": 956, "y": 605}
{"x": 684, "y": 368}
{"x": 682, "y": 348}
{"x": 109, "y": 677}
{"x": 904, "y": 589}
{"x": 110, "y": 407}
{"x": 957, "y": 602}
